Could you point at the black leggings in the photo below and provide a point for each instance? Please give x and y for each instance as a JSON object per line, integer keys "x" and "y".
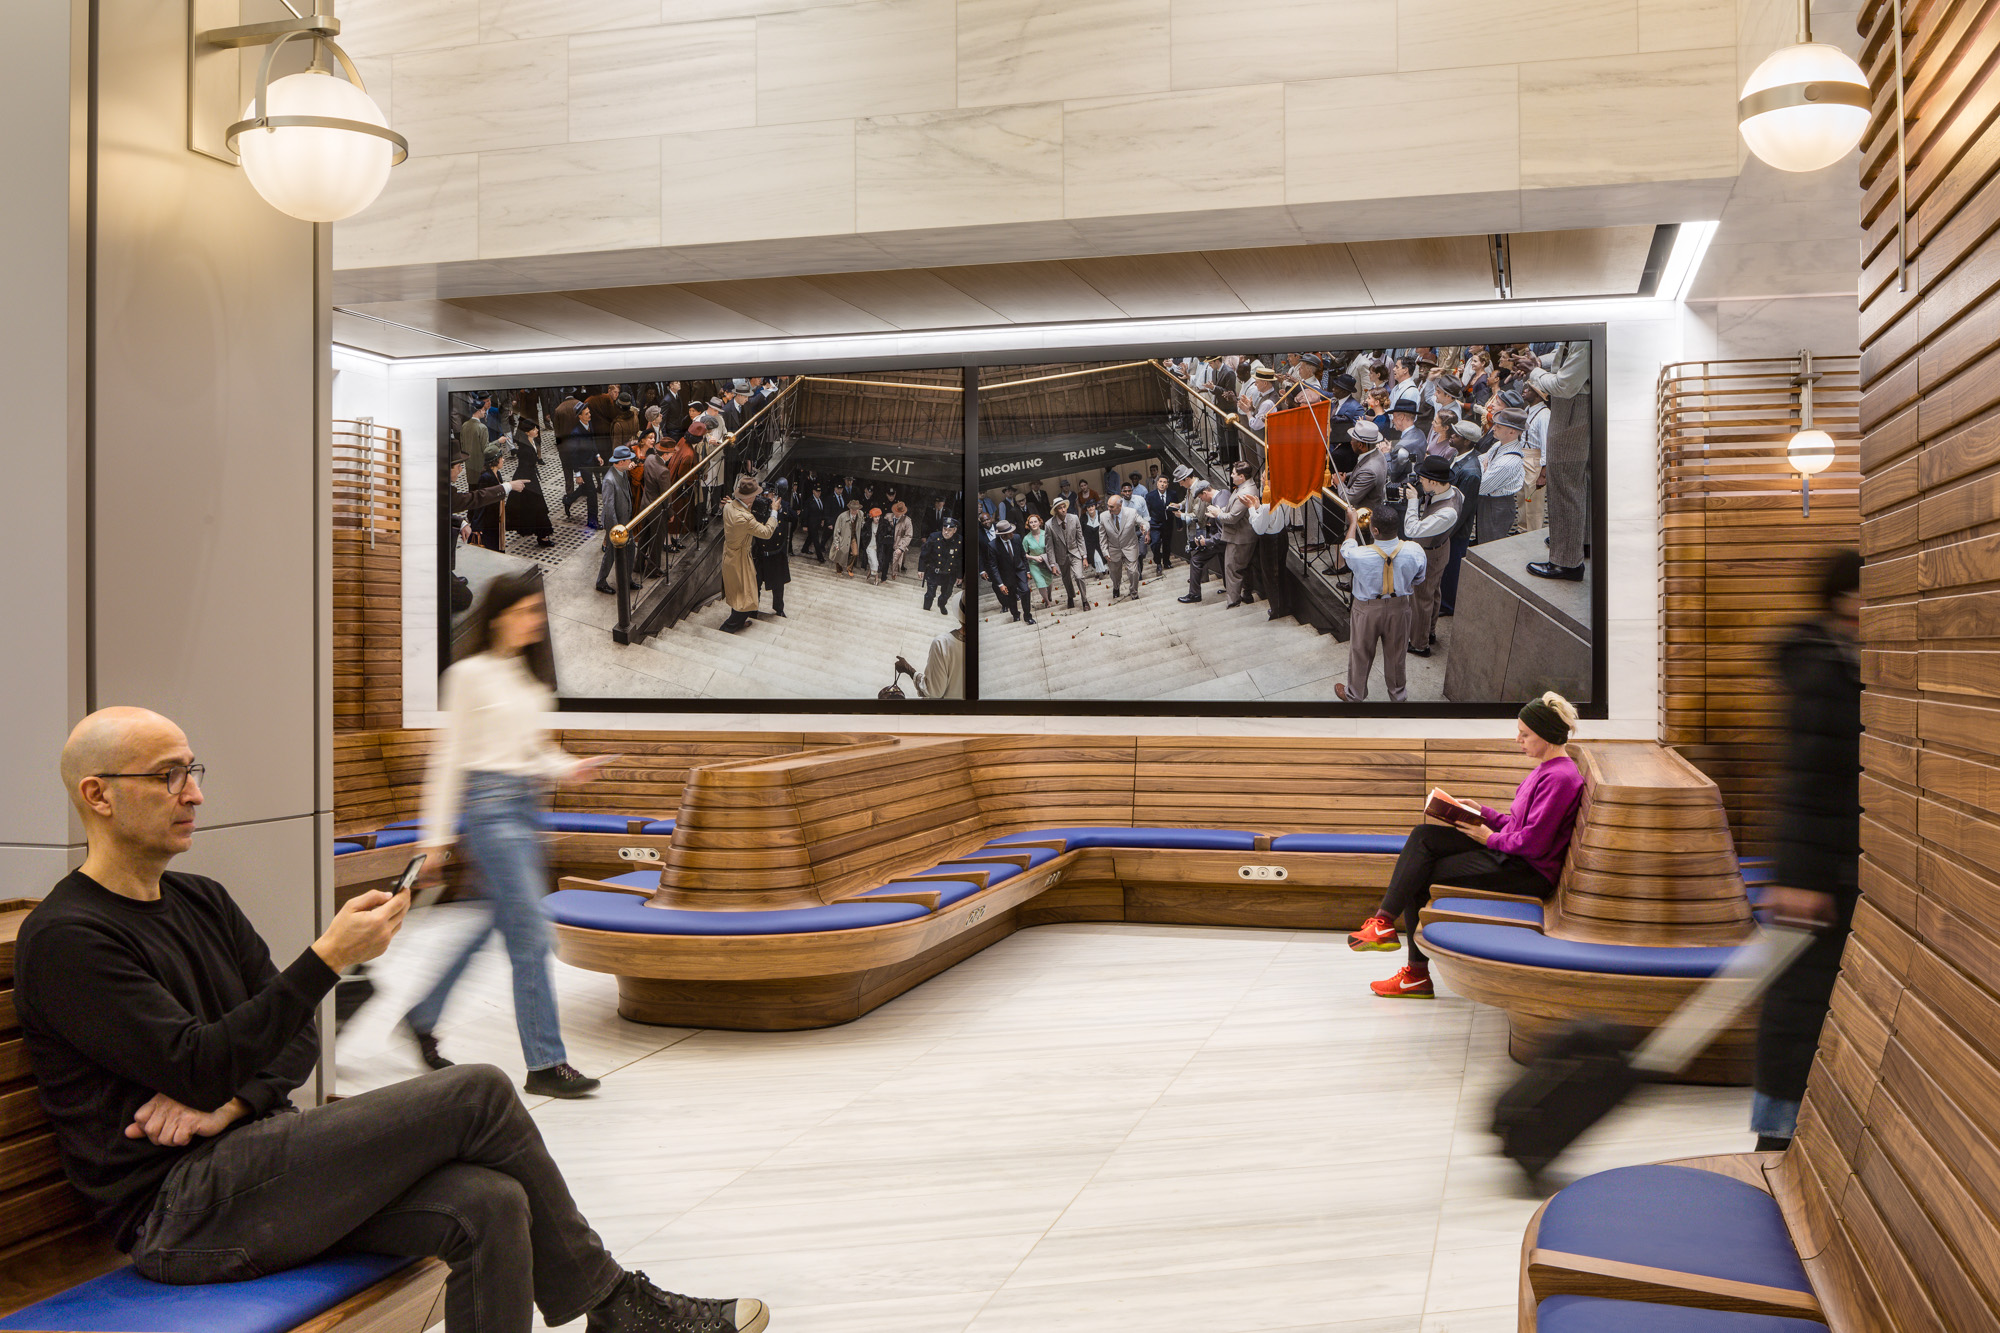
{"x": 1438, "y": 853}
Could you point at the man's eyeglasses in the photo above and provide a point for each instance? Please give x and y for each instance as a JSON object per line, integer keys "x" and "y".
{"x": 175, "y": 777}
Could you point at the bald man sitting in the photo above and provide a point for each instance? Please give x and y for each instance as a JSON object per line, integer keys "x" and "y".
{"x": 167, "y": 1045}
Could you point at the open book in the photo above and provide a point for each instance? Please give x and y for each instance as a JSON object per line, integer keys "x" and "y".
{"x": 1441, "y": 804}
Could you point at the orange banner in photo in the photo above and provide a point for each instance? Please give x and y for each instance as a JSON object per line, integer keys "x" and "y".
{"x": 1295, "y": 443}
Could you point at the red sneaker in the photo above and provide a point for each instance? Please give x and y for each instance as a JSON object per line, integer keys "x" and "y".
{"x": 1407, "y": 984}
{"x": 1378, "y": 932}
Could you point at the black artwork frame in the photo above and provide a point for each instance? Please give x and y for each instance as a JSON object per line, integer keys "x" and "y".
{"x": 1598, "y": 705}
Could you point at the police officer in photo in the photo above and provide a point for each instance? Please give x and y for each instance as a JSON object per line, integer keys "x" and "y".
{"x": 1385, "y": 571}
{"x": 1436, "y": 508}
{"x": 940, "y": 562}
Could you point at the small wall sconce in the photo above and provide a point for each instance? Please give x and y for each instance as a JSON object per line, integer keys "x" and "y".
{"x": 1810, "y": 451}
{"x": 314, "y": 145}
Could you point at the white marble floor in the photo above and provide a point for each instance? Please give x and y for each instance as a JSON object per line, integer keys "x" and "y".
{"x": 1085, "y": 1128}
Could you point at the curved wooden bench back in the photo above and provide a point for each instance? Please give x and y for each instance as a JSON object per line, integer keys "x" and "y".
{"x": 1652, "y": 860}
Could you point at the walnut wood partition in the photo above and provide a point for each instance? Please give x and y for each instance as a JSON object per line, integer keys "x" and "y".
{"x": 367, "y": 576}
{"x": 1738, "y": 558}
{"x": 1891, "y": 1191}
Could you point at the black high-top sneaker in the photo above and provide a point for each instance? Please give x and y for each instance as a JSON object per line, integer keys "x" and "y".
{"x": 637, "y": 1306}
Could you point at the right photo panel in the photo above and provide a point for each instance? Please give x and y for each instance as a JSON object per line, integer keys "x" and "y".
{"x": 1340, "y": 525}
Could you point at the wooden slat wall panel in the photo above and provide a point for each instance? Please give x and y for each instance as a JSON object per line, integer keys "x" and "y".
{"x": 1898, "y": 1183}
{"x": 367, "y": 576}
{"x": 1738, "y": 558}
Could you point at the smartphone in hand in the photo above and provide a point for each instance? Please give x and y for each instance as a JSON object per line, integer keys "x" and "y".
{"x": 408, "y": 882}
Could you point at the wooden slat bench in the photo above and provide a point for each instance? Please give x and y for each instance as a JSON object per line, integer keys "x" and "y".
{"x": 59, "y": 1272}
{"x": 1651, "y": 901}
{"x": 880, "y": 863}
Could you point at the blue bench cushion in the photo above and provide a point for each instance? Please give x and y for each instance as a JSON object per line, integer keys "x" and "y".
{"x": 592, "y": 909}
{"x": 1183, "y": 839}
{"x": 578, "y": 821}
{"x": 124, "y": 1302}
{"x": 342, "y": 847}
{"x": 1528, "y": 914}
{"x": 1529, "y": 948}
{"x": 396, "y": 837}
{"x": 1595, "y": 1314}
{"x": 1380, "y": 844}
{"x": 1035, "y": 855}
{"x": 658, "y": 827}
{"x": 1679, "y": 1218}
{"x": 948, "y": 891}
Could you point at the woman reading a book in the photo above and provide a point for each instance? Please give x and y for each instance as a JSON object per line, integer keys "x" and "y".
{"x": 1480, "y": 848}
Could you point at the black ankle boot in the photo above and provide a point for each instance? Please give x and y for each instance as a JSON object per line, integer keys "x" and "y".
{"x": 427, "y": 1047}
{"x": 563, "y": 1080}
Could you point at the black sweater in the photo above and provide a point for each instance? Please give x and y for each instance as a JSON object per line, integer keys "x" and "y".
{"x": 120, "y": 999}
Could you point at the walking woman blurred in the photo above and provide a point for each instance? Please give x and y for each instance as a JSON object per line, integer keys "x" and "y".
{"x": 491, "y": 770}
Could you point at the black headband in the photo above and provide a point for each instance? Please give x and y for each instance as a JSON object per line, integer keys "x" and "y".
{"x": 1545, "y": 722}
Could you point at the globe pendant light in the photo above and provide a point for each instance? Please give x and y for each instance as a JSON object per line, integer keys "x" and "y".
{"x": 1806, "y": 105}
{"x": 1810, "y": 450}
{"x": 315, "y": 146}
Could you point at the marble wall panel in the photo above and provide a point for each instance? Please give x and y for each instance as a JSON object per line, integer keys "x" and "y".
{"x": 513, "y": 20}
{"x": 1294, "y": 277}
{"x": 428, "y": 213}
{"x": 582, "y": 196}
{"x": 1450, "y": 34}
{"x": 786, "y": 180}
{"x": 1031, "y": 292}
{"x": 959, "y": 168}
{"x": 876, "y": 58}
{"x": 494, "y": 95}
{"x": 663, "y": 80}
{"x": 396, "y": 27}
{"x": 907, "y": 298}
{"x": 1655, "y": 117}
{"x": 1280, "y": 42}
{"x": 1173, "y": 152}
{"x": 1475, "y": 111}
{"x": 1145, "y": 286}
{"x": 1678, "y": 25}
{"x": 1052, "y": 50}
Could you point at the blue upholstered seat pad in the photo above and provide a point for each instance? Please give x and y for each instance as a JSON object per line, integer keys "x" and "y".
{"x": 1379, "y": 844}
{"x": 658, "y": 827}
{"x": 1528, "y": 914}
{"x": 342, "y": 847}
{"x": 1679, "y": 1218}
{"x": 1529, "y": 948}
{"x": 396, "y": 837}
{"x": 1099, "y": 835}
{"x": 1035, "y": 855}
{"x": 592, "y": 909}
{"x": 124, "y": 1302}
{"x": 948, "y": 891}
{"x": 1595, "y": 1314}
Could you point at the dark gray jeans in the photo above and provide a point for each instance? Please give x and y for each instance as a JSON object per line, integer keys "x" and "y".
{"x": 447, "y": 1164}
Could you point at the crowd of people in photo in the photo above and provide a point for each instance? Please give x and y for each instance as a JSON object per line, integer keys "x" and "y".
{"x": 1431, "y": 450}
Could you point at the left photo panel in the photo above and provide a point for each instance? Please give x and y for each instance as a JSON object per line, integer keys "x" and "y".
{"x": 748, "y": 538}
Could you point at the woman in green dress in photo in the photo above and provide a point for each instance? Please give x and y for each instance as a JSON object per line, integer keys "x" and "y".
{"x": 1035, "y": 545}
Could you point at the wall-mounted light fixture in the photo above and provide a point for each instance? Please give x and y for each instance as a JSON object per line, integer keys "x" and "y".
{"x": 1810, "y": 451}
{"x": 313, "y": 144}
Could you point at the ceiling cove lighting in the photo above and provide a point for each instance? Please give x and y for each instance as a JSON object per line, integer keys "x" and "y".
{"x": 313, "y": 144}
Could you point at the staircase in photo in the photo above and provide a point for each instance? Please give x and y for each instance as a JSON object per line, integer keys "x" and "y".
{"x": 838, "y": 640}
{"x": 1157, "y": 647}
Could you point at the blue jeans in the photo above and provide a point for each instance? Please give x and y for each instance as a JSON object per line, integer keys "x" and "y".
{"x": 503, "y": 836}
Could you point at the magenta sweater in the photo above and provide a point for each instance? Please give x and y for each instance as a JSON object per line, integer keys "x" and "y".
{"x": 1544, "y": 816}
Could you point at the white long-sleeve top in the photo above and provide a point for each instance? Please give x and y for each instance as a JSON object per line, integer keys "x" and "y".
{"x": 1565, "y": 372}
{"x": 496, "y": 722}
{"x": 944, "y": 669}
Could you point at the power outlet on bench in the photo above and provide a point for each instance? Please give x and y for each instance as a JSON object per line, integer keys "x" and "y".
{"x": 648, "y": 854}
{"x": 1260, "y": 872}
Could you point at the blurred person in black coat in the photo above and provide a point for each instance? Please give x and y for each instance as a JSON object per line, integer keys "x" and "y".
{"x": 1818, "y": 854}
